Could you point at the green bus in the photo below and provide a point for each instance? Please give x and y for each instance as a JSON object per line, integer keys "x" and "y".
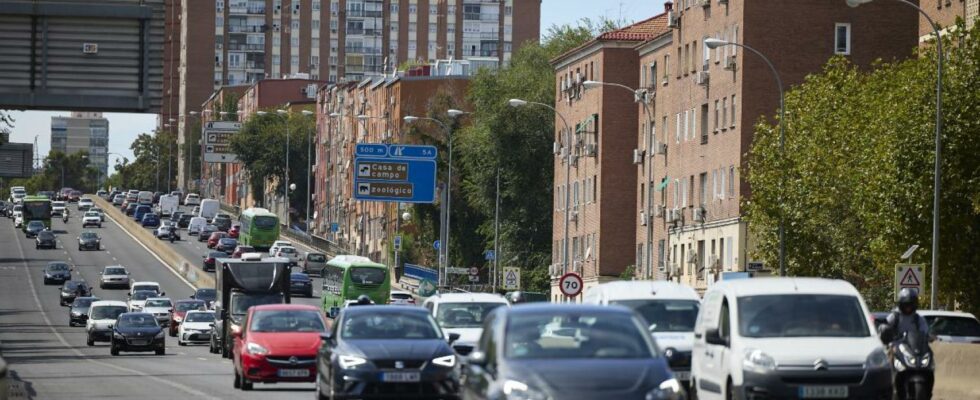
{"x": 347, "y": 277}
{"x": 37, "y": 208}
{"x": 259, "y": 228}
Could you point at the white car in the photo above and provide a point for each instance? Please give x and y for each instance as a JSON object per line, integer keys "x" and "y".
{"x": 101, "y": 315}
{"x": 160, "y": 307}
{"x": 192, "y": 200}
{"x": 18, "y": 220}
{"x": 98, "y": 210}
{"x": 91, "y": 218}
{"x": 952, "y": 326}
{"x": 401, "y": 298}
{"x": 288, "y": 252}
{"x": 85, "y": 203}
{"x": 164, "y": 228}
{"x": 277, "y": 244}
{"x": 145, "y": 285}
{"x": 195, "y": 328}
{"x": 58, "y": 208}
{"x": 138, "y": 300}
{"x": 784, "y": 337}
{"x": 463, "y": 313}
{"x": 114, "y": 275}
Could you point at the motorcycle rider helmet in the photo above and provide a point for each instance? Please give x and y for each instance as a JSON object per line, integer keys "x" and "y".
{"x": 908, "y": 300}
{"x": 364, "y": 300}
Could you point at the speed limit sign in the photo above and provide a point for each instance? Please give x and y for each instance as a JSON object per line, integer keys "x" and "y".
{"x": 570, "y": 284}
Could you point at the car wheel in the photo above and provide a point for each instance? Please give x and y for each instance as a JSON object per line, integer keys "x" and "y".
{"x": 692, "y": 391}
{"x": 161, "y": 351}
{"x": 89, "y": 341}
{"x": 246, "y": 384}
{"x": 114, "y": 350}
{"x": 79, "y": 247}
{"x": 238, "y": 380}
{"x": 729, "y": 393}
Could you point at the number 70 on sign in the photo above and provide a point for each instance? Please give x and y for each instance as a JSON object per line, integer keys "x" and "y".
{"x": 570, "y": 284}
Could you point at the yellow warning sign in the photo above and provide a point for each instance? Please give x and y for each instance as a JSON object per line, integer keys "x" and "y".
{"x": 909, "y": 276}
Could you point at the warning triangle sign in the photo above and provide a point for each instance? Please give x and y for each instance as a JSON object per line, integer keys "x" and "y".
{"x": 909, "y": 279}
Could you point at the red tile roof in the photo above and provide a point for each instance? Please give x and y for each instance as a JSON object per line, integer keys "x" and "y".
{"x": 643, "y": 30}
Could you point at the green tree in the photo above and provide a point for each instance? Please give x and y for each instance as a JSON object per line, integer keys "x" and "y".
{"x": 148, "y": 171}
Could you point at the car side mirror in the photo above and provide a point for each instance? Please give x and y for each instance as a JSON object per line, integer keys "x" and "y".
{"x": 886, "y": 334}
{"x": 477, "y": 358}
{"x": 236, "y": 334}
{"x": 224, "y": 314}
{"x": 453, "y": 337}
{"x": 163, "y": 293}
{"x": 326, "y": 337}
{"x": 333, "y": 312}
{"x": 110, "y": 326}
{"x": 191, "y": 296}
{"x": 711, "y": 336}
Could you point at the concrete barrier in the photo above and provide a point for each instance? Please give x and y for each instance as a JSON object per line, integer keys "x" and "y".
{"x": 957, "y": 371}
{"x": 173, "y": 260}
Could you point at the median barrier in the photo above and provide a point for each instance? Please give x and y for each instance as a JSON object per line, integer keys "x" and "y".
{"x": 173, "y": 260}
{"x": 957, "y": 371}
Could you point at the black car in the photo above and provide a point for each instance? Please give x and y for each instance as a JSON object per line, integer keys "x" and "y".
{"x": 131, "y": 208}
{"x": 206, "y": 232}
{"x": 175, "y": 216}
{"x": 301, "y": 284}
{"x": 57, "y": 272}
{"x": 78, "y": 311}
{"x": 137, "y": 331}
{"x": 207, "y": 295}
{"x": 222, "y": 222}
{"x": 227, "y": 245}
{"x": 89, "y": 241}
{"x": 567, "y": 351}
{"x": 184, "y": 221}
{"x": 45, "y": 240}
{"x": 394, "y": 350}
{"x": 33, "y": 228}
{"x": 72, "y": 289}
{"x": 156, "y": 197}
{"x": 209, "y": 260}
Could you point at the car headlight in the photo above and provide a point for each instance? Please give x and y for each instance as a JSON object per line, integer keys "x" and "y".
{"x": 255, "y": 348}
{"x": 118, "y": 335}
{"x": 447, "y": 361}
{"x": 76, "y": 314}
{"x": 160, "y": 334}
{"x": 669, "y": 389}
{"x": 757, "y": 360}
{"x": 926, "y": 360}
{"x": 877, "y": 359}
{"x": 350, "y": 362}
{"x": 517, "y": 390}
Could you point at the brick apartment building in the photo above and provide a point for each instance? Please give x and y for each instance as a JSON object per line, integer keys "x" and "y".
{"x": 602, "y": 182}
{"x": 944, "y": 13}
{"x": 370, "y": 111}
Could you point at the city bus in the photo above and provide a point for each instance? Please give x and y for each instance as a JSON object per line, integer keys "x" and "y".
{"x": 37, "y": 208}
{"x": 259, "y": 228}
{"x": 346, "y": 277}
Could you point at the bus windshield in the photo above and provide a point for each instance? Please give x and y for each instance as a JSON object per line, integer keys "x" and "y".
{"x": 367, "y": 275}
{"x": 37, "y": 210}
{"x": 265, "y": 222}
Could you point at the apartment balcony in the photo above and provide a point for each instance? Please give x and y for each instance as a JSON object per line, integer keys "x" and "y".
{"x": 252, "y": 66}
{"x": 364, "y": 14}
{"x": 255, "y": 10}
{"x": 362, "y": 50}
{"x": 238, "y": 66}
{"x": 246, "y": 28}
{"x": 489, "y": 35}
{"x": 246, "y": 47}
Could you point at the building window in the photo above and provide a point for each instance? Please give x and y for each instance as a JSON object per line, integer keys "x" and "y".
{"x": 451, "y": 28}
{"x": 433, "y": 27}
{"x": 412, "y": 8}
{"x": 703, "y": 188}
{"x": 433, "y": 9}
{"x": 451, "y": 10}
{"x": 316, "y": 5}
{"x": 724, "y": 113}
{"x": 731, "y": 181}
{"x": 666, "y": 67}
{"x": 316, "y": 24}
{"x": 412, "y": 45}
{"x": 314, "y": 60}
{"x": 842, "y": 39}
{"x": 717, "y": 113}
{"x": 294, "y": 60}
{"x": 704, "y": 123}
{"x": 394, "y": 8}
{"x": 733, "y": 111}
{"x": 677, "y": 131}
{"x": 687, "y": 124}
{"x": 714, "y": 183}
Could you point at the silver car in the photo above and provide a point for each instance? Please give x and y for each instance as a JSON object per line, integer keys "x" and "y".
{"x": 161, "y": 308}
{"x": 114, "y": 276}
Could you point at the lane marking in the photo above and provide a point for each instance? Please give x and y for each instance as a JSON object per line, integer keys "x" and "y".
{"x": 40, "y": 307}
{"x": 153, "y": 254}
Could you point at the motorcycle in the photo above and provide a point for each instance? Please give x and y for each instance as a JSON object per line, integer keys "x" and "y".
{"x": 912, "y": 363}
{"x": 64, "y": 218}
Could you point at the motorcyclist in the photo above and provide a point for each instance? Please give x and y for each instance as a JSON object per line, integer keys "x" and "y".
{"x": 64, "y": 215}
{"x": 903, "y": 320}
{"x": 363, "y": 300}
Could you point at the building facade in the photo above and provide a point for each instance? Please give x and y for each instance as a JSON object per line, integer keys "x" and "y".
{"x": 944, "y": 13}
{"x": 83, "y": 131}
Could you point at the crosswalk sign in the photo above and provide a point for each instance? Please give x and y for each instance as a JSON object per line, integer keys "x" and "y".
{"x": 909, "y": 276}
{"x": 512, "y": 278}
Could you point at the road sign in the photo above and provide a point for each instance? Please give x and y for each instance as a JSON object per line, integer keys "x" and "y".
{"x": 474, "y": 270}
{"x": 395, "y": 173}
{"x": 427, "y": 288}
{"x": 474, "y": 278}
{"x": 490, "y": 255}
{"x": 217, "y": 136}
{"x": 755, "y": 266}
{"x": 512, "y": 278}
{"x": 398, "y": 242}
{"x": 570, "y": 284}
{"x": 908, "y": 276}
{"x": 436, "y": 245}
{"x": 457, "y": 270}
{"x": 334, "y": 227}
{"x": 421, "y": 273}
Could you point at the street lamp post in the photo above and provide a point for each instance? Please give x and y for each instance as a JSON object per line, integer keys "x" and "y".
{"x": 190, "y": 150}
{"x": 937, "y": 168}
{"x": 568, "y": 169}
{"x": 285, "y": 119}
{"x": 309, "y": 172}
{"x": 715, "y": 43}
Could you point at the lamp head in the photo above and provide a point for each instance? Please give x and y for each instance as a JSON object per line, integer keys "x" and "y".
{"x": 453, "y": 113}
{"x": 223, "y": 113}
{"x": 193, "y": 113}
{"x": 410, "y": 118}
{"x": 591, "y": 84}
{"x": 713, "y": 43}
{"x": 334, "y": 115}
{"x": 282, "y": 112}
{"x": 262, "y": 113}
{"x": 363, "y": 117}
{"x": 306, "y": 112}
{"x": 516, "y": 102}
{"x": 855, "y": 3}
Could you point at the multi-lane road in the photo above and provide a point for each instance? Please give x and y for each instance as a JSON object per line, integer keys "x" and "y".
{"x": 49, "y": 359}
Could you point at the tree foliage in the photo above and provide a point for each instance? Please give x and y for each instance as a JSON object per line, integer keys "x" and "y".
{"x": 855, "y": 184}
{"x": 148, "y": 171}
{"x": 61, "y": 170}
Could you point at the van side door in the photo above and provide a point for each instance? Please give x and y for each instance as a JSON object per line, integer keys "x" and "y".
{"x": 707, "y": 352}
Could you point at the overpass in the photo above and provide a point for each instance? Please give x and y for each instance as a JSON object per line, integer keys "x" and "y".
{"x": 82, "y": 55}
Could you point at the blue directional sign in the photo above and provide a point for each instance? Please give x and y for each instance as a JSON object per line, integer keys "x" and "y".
{"x": 395, "y": 173}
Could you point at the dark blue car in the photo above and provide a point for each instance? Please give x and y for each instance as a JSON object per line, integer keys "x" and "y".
{"x": 150, "y": 220}
{"x": 140, "y": 211}
{"x": 300, "y": 284}
{"x": 136, "y": 331}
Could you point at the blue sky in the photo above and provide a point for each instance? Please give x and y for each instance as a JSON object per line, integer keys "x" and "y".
{"x": 123, "y": 128}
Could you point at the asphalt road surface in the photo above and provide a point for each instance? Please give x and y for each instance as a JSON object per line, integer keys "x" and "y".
{"x": 49, "y": 359}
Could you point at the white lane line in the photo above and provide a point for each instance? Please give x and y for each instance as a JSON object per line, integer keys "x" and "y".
{"x": 40, "y": 308}
{"x": 114, "y": 259}
{"x": 154, "y": 255}
{"x": 202, "y": 358}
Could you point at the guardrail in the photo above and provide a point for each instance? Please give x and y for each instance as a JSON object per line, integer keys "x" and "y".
{"x": 180, "y": 265}
{"x": 957, "y": 369}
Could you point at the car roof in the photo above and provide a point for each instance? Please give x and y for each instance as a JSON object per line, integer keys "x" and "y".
{"x": 779, "y": 285}
{"x": 375, "y": 309}
{"x": 145, "y": 283}
{"x": 159, "y": 298}
{"x": 540, "y": 307}
{"x": 285, "y": 307}
{"x": 181, "y": 301}
{"x": 109, "y": 303}
{"x": 114, "y": 266}
{"x": 624, "y": 290}
{"x": 467, "y": 298}
{"x": 941, "y": 313}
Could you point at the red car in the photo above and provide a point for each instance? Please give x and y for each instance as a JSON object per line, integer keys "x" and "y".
{"x": 214, "y": 238}
{"x": 277, "y": 343}
{"x": 233, "y": 232}
{"x": 181, "y": 307}
{"x": 241, "y": 249}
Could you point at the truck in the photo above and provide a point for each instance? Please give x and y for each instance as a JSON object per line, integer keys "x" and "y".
{"x": 242, "y": 283}
{"x": 168, "y": 204}
{"x": 209, "y": 208}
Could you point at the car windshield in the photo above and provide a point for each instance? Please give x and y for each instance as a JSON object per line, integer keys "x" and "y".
{"x": 115, "y": 271}
{"x": 583, "y": 335}
{"x": 190, "y": 305}
{"x": 286, "y": 321}
{"x": 389, "y": 325}
{"x": 89, "y": 235}
{"x": 143, "y": 295}
{"x": 801, "y": 315}
{"x": 57, "y": 267}
{"x": 58, "y": 204}
{"x": 46, "y": 235}
{"x": 206, "y": 294}
{"x": 287, "y": 250}
{"x": 152, "y": 288}
{"x": 665, "y": 315}
{"x": 137, "y": 321}
{"x": 265, "y": 222}
{"x": 240, "y": 302}
{"x": 35, "y": 224}
{"x": 367, "y": 275}
{"x": 107, "y": 312}
{"x": 158, "y": 303}
{"x": 227, "y": 241}
{"x": 954, "y": 326}
{"x": 299, "y": 277}
{"x": 83, "y": 302}
{"x": 463, "y": 315}
{"x": 244, "y": 249}
{"x": 217, "y": 254}
{"x": 199, "y": 317}
{"x": 403, "y": 296}
{"x": 72, "y": 285}
{"x": 316, "y": 257}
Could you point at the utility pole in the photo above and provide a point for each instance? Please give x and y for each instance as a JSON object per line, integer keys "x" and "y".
{"x": 496, "y": 235}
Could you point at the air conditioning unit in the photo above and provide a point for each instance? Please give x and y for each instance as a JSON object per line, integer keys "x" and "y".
{"x": 573, "y": 216}
{"x": 638, "y": 156}
{"x": 705, "y": 3}
{"x": 556, "y": 148}
{"x": 673, "y": 20}
{"x": 699, "y": 214}
{"x": 658, "y": 211}
{"x": 674, "y": 215}
{"x": 591, "y": 150}
{"x": 730, "y": 63}
{"x": 675, "y": 269}
{"x": 692, "y": 257}
{"x": 720, "y": 2}
{"x": 660, "y": 148}
{"x": 702, "y": 78}
{"x": 649, "y": 94}
{"x": 643, "y": 218}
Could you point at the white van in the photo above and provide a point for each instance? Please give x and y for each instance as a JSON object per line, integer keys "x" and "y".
{"x": 209, "y": 208}
{"x": 145, "y": 198}
{"x": 168, "y": 204}
{"x": 195, "y": 225}
{"x": 670, "y": 310}
{"x": 787, "y": 338}
{"x": 101, "y": 315}
{"x": 463, "y": 313}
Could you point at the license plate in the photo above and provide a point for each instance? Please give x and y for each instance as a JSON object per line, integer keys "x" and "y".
{"x": 400, "y": 377}
{"x": 682, "y": 375}
{"x": 823, "y": 392}
{"x": 139, "y": 342}
{"x": 294, "y": 373}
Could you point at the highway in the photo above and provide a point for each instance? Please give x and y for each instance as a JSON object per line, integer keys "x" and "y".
{"x": 50, "y": 360}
